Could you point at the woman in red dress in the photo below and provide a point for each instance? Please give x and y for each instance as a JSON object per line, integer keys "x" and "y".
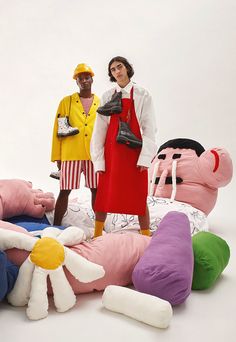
{"x": 123, "y": 171}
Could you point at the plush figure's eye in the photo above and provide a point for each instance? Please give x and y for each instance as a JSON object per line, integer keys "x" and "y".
{"x": 176, "y": 156}
{"x": 162, "y": 156}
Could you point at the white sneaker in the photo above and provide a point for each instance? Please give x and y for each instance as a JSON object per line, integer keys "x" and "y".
{"x": 55, "y": 174}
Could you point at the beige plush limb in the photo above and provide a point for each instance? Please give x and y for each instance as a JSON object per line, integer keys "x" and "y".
{"x": 140, "y": 306}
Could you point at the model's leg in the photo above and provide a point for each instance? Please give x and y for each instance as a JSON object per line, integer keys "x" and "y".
{"x": 100, "y": 219}
{"x": 93, "y": 196}
{"x": 144, "y": 223}
{"x": 91, "y": 182}
{"x": 61, "y": 206}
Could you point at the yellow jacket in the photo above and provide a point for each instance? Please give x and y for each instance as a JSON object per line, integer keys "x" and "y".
{"x": 76, "y": 147}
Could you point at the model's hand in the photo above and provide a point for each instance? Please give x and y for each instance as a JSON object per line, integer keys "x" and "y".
{"x": 142, "y": 168}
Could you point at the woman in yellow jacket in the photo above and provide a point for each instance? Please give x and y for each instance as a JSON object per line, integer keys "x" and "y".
{"x": 72, "y": 153}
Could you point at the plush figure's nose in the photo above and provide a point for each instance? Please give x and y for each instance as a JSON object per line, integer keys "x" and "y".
{"x": 162, "y": 180}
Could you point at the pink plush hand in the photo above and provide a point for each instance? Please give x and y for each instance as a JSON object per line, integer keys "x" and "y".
{"x": 18, "y": 198}
{"x": 46, "y": 199}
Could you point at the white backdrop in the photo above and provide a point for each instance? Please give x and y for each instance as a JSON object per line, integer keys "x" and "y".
{"x": 183, "y": 51}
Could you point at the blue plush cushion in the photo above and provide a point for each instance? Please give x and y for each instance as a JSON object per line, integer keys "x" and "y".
{"x": 31, "y": 223}
{"x": 8, "y": 275}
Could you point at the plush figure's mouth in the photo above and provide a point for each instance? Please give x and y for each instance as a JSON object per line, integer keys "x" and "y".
{"x": 168, "y": 180}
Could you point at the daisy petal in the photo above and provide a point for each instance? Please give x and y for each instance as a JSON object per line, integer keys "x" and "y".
{"x": 19, "y": 296}
{"x": 38, "y": 302}
{"x": 82, "y": 269}
{"x": 51, "y": 232}
{"x": 64, "y": 297}
{"x": 72, "y": 236}
{"x": 11, "y": 239}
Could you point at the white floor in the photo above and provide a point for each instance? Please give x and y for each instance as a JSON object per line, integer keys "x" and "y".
{"x": 206, "y": 315}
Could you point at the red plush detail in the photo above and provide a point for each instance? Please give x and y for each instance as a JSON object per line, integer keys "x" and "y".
{"x": 217, "y": 160}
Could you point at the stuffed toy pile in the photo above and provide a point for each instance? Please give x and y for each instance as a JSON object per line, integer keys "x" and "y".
{"x": 164, "y": 269}
{"x": 174, "y": 263}
{"x": 17, "y": 197}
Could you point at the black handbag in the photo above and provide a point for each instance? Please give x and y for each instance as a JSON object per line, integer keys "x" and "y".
{"x": 126, "y": 136}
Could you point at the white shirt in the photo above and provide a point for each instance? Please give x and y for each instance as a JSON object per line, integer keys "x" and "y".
{"x": 146, "y": 118}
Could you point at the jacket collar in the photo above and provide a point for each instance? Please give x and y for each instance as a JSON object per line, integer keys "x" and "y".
{"x": 94, "y": 105}
{"x": 126, "y": 89}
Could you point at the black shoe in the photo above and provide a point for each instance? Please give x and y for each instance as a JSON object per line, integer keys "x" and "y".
{"x": 114, "y": 106}
{"x": 127, "y": 137}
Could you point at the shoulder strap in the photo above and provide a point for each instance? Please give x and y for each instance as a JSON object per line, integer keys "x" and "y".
{"x": 69, "y": 106}
{"x": 131, "y": 103}
{"x": 132, "y": 93}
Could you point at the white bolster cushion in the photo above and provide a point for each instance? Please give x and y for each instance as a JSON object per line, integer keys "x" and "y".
{"x": 140, "y": 306}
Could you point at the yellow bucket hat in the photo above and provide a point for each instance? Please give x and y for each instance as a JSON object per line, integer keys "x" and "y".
{"x": 82, "y": 68}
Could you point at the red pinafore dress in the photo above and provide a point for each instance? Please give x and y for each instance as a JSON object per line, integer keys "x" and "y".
{"x": 122, "y": 188}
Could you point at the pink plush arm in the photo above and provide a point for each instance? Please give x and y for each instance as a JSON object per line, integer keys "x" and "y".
{"x": 215, "y": 167}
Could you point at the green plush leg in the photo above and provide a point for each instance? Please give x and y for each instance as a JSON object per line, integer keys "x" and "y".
{"x": 211, "y": 256}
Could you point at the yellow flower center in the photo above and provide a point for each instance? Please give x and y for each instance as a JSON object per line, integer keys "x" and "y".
{"x": 47, "y": 253}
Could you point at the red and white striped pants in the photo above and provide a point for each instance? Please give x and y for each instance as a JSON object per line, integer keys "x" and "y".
{"x": 71, "y": 173}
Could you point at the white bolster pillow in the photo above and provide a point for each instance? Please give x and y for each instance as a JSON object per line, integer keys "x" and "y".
{"x": 140, "y": 306}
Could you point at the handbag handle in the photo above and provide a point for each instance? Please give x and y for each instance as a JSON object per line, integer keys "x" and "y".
{"x": 69, "y": 110}
{"x": 69, "y": 107}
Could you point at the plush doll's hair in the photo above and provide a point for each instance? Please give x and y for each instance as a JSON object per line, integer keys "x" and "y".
{"x": 183, "y": 143}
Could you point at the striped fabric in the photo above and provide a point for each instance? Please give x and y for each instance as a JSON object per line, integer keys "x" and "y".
{"x": 71, "y": 173}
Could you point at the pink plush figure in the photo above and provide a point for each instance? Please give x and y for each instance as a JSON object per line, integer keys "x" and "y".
{"x": 18, "y": 198}
{"x": 184, "y": 171}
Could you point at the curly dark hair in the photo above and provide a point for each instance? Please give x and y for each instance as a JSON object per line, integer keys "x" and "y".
{"x": 123, "y": 60}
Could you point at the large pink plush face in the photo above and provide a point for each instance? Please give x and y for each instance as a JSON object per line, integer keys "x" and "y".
{"x": 180, "y": 174}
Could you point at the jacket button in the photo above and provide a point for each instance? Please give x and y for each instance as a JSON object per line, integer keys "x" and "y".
{"x": 86, "y": 135}
{"x": 86, "y": 124}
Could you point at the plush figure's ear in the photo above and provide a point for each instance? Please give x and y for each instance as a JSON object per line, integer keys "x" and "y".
{"x": 211, "y": 256}
{"x": 140, "y": 306}
{"x": 215, "y": 167}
